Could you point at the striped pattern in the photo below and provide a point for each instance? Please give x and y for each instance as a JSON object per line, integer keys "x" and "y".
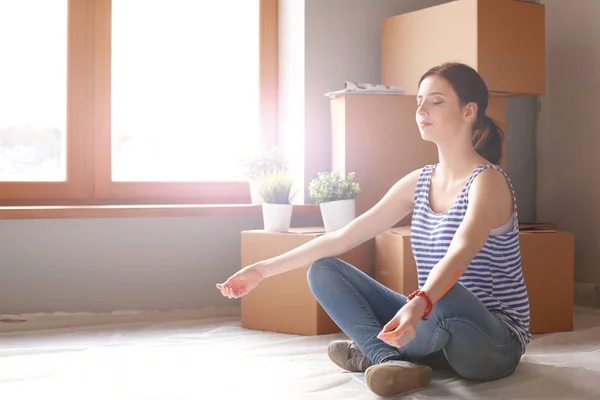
{"x": 494, "y": 276}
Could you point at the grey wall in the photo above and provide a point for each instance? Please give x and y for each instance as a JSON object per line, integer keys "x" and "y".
{"x": 114, "y": 264}
{"x": 521, "y": 160}
{"x": 521, "y": 125}
{"x": 568, "y": 136}
{"x": 162, "y": 263}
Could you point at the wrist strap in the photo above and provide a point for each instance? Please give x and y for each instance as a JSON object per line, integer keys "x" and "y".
{"x": 426, "y": 297}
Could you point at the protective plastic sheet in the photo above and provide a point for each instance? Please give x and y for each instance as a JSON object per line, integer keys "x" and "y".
{"x": 191, "y": 355}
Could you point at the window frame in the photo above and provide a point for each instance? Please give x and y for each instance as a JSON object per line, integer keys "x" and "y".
{"x": 79, "y": 180}
{"x": 88, "y": 124}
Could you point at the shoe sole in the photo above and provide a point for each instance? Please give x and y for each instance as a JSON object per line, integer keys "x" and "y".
{"x": 386, "y": 380}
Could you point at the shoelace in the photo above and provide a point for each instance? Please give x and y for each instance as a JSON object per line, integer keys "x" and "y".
{"x": 357, "y": 359}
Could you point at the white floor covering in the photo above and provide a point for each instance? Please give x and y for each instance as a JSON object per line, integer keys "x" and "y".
{"x": 199, "y": 355}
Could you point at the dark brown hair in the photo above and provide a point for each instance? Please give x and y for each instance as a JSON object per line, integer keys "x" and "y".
{"x": 470, "y": 87}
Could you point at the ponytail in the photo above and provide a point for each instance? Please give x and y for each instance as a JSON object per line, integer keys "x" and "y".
{"x": 488, "y": 140}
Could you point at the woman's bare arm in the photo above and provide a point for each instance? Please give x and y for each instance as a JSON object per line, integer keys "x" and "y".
{"x": 395, "y": 205}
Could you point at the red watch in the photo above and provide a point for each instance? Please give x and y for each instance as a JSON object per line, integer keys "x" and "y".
{"x": 427, "y": 299}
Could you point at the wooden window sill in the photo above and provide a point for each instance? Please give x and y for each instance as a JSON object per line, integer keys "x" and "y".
{"x": 143, "y": 211}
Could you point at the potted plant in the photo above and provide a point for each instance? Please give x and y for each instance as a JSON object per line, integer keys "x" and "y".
{"x": 276, "y": 191}
{"x": 257, "y": 165}
{"x": 335, "y": 196}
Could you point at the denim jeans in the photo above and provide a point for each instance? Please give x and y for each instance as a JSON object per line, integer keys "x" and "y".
{"x": 461, "y": 333}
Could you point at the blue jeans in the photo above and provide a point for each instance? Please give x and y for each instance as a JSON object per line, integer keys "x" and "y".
{"x": 460, "y": 334}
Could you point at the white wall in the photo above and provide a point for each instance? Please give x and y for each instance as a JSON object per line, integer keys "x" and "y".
{"x": 568, "y": 134}
{"x": 292, "y": 67}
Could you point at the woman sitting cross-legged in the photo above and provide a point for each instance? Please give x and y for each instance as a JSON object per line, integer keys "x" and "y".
{"x": 471, "y": 313}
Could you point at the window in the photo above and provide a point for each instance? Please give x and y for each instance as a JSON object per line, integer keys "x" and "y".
{"x": 134, "y": 101}
{"x": 33, "y": 95}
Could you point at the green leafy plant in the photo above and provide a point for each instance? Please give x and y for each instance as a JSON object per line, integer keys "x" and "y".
{"x": 331, "y": 186}
{"x": 255, "y": 166}
{"x": 276, "y": 187}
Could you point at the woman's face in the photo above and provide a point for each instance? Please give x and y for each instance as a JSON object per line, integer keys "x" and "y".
{"x": 440, "y": 116}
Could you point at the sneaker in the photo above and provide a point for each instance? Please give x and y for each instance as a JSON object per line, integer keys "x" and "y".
{"x": 346, "y": 355}
{"x": 397, "y": 377}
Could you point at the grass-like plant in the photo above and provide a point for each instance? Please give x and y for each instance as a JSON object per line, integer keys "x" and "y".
{"x": 331, "y": 186}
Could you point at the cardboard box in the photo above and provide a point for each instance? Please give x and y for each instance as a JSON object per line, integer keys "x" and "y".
{"x": 284, "y": 303}
{"x": 504, "y": 40}
{"x": 548, "y": 270}
{"x": 375, "y": 135}
{"x": 394, "y": 263}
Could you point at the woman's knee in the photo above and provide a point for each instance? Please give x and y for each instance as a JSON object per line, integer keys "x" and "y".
{"x": 320, "y": 268}
{"x": 319, "y": 276}
{"x": 325, "y": 273}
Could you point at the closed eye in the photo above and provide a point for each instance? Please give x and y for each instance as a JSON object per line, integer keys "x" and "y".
{"x": 435, "y": 103}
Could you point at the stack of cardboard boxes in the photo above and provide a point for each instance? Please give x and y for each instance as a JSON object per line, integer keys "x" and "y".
{"x": 284, "y": 303}
{"x": 375, "y": 135}
{"x": 548, "y": 269}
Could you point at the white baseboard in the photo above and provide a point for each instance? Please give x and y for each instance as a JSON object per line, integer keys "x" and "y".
{"x": 59, "y": 320}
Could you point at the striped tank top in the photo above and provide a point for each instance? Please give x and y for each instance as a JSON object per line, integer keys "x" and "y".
{"x": 494, "y": 275}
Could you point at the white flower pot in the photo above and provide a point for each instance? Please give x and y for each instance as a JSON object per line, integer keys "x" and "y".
{"x": 277, "y": 217}
{"x": 337, "y": 214}
{"x": 255, "y": 196}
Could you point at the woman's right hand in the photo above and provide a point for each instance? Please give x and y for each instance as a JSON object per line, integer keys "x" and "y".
{"x": 241, "y": 283}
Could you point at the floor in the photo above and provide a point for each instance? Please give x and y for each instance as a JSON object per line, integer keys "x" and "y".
{"x": 199, "y": 355}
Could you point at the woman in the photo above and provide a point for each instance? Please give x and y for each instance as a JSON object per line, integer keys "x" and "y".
{"x": 471, "y": 313}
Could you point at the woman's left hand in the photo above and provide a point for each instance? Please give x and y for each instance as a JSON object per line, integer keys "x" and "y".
{"x": 401, "y": 329}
